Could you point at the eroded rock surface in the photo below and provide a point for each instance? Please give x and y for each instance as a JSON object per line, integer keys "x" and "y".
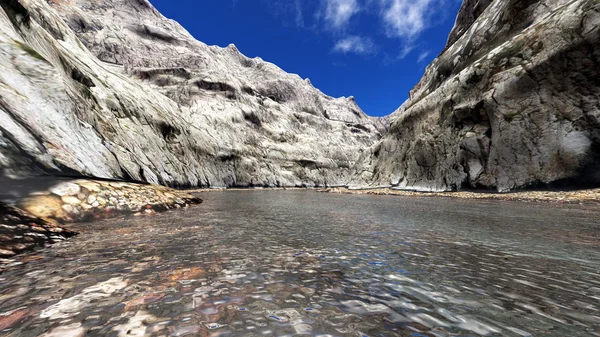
{"x": 113, "y": 89}
{"x": 514, "y": 100}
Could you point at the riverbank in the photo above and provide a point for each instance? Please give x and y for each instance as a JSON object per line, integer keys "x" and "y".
{"x": 81, "y": 200}
{"x": 37, "y": 219}
{"x": 582, "y": 197}
{"x": 20, "y": 232}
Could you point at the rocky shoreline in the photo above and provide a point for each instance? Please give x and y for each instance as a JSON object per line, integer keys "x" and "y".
{"x": 81, "y": 200}
{"x": 20, "y": 232}
{"x": 37, "y": 220}
{"x": 582, "y": 197}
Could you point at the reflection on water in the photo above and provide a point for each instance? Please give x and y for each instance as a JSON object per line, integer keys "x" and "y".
{"x": 278, "y": 263}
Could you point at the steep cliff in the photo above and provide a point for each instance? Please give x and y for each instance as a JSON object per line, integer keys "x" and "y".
{"x": 113, "y": 89}
{"x": 513, "y": 100}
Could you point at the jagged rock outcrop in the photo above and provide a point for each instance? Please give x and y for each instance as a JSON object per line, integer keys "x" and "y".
{"x": 513, "y": 100}
{"x": 112, "y": 89}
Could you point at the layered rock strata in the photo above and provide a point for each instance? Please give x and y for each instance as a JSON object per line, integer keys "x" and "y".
{"x": 113, "y": 89}
{"x": 513, "y": 101}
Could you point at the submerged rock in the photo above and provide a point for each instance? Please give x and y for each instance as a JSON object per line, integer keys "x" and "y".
{"x": 512, "y": 101}
{"x": 20, "y": 232}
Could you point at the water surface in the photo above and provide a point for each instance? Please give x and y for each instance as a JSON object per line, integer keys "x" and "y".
{"x": 283, "y": 263}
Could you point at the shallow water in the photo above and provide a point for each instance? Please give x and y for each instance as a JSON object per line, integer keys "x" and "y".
{"x": 278, "y": 263}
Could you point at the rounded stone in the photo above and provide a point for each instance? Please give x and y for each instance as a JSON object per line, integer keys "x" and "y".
{"x": 68, "y": 208}
{"x": 49, "y": 206}
{"x": 64, "y": 189}
{"x": 71, "y": 200}
{"x": 91, "y": 186}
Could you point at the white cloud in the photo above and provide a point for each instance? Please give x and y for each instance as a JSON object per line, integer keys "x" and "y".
{"x": 406, "y": 19}
{"x": 299, "y": 15}
{"x": 407, "y": 49}
{"x": 423, "y": 56}
{"x": 337, "y": 13}
{"x": 356, "y": 45}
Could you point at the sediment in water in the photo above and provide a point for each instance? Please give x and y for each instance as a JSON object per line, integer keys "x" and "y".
{"x": 37, "y": 219}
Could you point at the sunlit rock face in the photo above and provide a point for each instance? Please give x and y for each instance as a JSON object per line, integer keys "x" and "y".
{"x": 513, "y": 100}
{"x": 113, "y": 89}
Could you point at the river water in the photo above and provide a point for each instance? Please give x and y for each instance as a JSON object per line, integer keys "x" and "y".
{"x": 283, "y": 263}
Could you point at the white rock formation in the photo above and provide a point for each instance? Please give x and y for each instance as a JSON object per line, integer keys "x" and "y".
{"x": 113, "y": 89}
{"x": 513, "y": 101}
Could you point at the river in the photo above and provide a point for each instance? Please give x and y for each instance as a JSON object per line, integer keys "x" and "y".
{"x": 283, "y": 263}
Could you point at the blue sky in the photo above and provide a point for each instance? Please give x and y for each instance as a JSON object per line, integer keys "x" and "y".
{"x": 374, "y": 50}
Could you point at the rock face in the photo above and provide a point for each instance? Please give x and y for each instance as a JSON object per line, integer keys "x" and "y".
{"x": 113, "y": 89}
{"x": 514, "y": 100}
{"x": 21, "y": 232}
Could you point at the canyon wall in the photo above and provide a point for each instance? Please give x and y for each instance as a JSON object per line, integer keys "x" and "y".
{"x": 115, "y": 90}
{"x": 513, "y": 101}
{"x": 112, "y": 89}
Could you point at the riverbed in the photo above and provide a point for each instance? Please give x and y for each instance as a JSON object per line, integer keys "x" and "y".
{"x": 282, "y": 263}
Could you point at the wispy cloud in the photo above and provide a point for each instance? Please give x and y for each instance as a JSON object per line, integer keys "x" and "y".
{"x": 423, "y": 56}
{"x": 407, "y": 19}
{"x": 299, "y": 14}
{"x": 355, "y": 44}
{"x": 406, "y": 49}
{"x": 290, "y": 11}
{"x": 338, "y": 13}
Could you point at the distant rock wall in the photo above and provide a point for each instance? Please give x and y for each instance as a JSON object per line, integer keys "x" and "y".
{"x": 113, "y": 89}
{"x": 513, "y": 101}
